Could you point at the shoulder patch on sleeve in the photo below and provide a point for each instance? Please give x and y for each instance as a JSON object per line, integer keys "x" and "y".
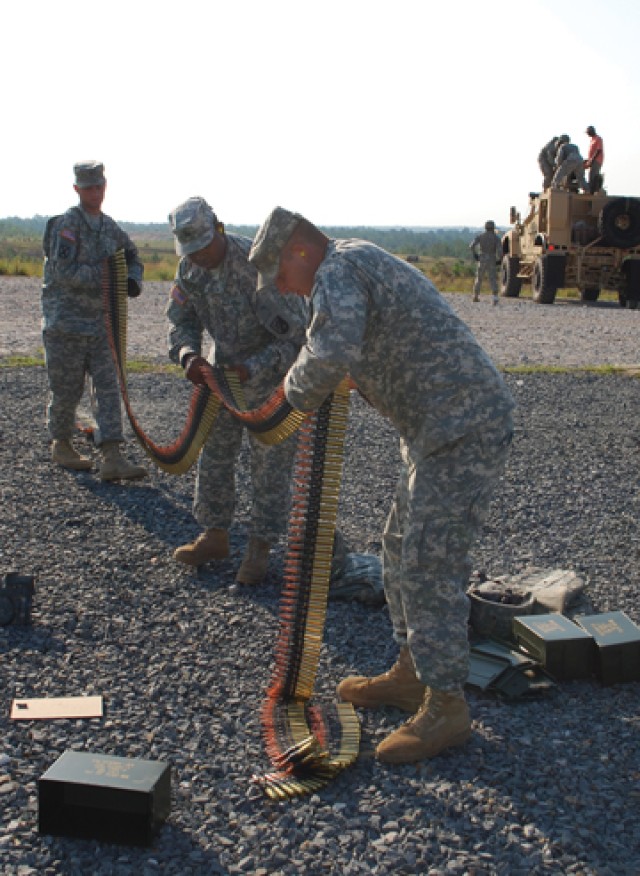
{"x": 178, "y": 295}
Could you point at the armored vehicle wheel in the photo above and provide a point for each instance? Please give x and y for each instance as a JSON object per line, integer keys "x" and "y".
{"x": 631, "y": 293}
{"x": 542, "y": 290}
{"x": 6, "y": 610}
{"x": 619, "y": 222}
{"x": 589, "y": 293}
{"x": 510, "y": 283}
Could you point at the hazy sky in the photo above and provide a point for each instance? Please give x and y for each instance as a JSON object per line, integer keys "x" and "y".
{"x": 352, "y": 112}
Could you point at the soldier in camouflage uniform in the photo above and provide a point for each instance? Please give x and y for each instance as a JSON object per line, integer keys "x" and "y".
{"x": 259, "y": 337}
{"x": 381, "y": 321}
{"x": 547, "y": 161}
{"x": 569, "y": 163}
{"x": 76, "y": 245}
{"x": 488, "y": 259}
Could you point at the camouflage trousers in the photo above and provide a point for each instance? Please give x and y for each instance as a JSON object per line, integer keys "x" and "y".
{"x": 562, "y": 174}
{"x": 69, "y": 358}
{"x": 441, "y": 502}
{"x": 486, "y": 267}
{"x": 547, "y": 170}
{"x": 271, "y": 471}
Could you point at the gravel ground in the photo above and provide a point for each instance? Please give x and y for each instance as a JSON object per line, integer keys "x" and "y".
{"x": 518, "y": 332}
{"x": 545, "y": 786}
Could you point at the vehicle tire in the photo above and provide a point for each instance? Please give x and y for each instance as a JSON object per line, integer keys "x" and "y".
{"x": 510, "y": 283}
{"x": 541, "y": 289}
{"x": 631, "y": 292}
{"x": 589, "y": 293}
{"x": 619, "y": 222}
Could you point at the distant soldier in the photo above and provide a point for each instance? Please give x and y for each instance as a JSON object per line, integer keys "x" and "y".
{"x": 594, "y": 160}
{"x": 488, "y": 258}
{"x": 76, "y": 245}
{"x": 546, "y": 161}
{"x": 568, "y": 162}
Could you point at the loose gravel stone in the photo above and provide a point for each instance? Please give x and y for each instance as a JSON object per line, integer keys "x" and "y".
{"x": 545, "y": 786}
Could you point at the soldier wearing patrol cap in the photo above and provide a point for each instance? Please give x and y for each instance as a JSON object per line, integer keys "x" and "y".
{"x": 76, "y": 245}
{"x": 88, "y": 174}
{"x": 383, "y": 323}
{"x": 258, "y": 336}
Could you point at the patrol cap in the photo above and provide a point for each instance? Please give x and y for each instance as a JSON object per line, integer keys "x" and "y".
{"x": 269, "y": 242}
{"x": 193, "y": 224}
{"x": 89, "y": 173}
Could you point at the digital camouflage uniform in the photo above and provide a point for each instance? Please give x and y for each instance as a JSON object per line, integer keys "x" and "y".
{"x": 568, "y": 161}
{"x": 381, "y": 321}
{"x": 74, "y": 333}
{"x": 262, "y": 331}
{"x": 547, "y": 160}
{"x": 488, "y": 259}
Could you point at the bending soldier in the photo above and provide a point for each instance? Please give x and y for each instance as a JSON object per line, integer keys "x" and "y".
{"x": 569, "y": 163}
{"x": 381, "y": 321}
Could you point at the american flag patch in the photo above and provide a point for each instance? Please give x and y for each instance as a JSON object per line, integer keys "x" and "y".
{"x": 177, "y": 294}
{"x": 68, "y": 234}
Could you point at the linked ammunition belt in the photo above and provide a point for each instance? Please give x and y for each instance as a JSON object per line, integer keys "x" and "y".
{"x": 306, "y": 743}
{"x": 299, "y": 736}
{"x": 274, "y": 421}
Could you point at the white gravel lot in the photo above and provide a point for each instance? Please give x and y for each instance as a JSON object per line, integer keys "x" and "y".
{"x": 516, "y": 332}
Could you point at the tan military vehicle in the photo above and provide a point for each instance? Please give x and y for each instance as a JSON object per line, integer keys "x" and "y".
{"x": 571, "y": 240}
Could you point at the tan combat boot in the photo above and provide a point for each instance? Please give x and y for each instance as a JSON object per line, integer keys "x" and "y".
{"x": 441, "y": 722}
{"x": 399, "y": 687}
{"x": 115, "y": 467}
{"x": 212, "y": 544}
{"x": 255, "y": 562}
{"x": 64, "y": 453}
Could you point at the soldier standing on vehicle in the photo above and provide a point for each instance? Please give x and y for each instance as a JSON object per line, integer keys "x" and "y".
{"x": 594, "y": 160}
{"x": 546, "y": 161}
{"x": 488, "y": 258}
{"x": 568, "y": 161}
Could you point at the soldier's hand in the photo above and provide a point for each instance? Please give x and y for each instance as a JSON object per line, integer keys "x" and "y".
{"x": 133, "y": 288}
{"x": 194, "y": 369}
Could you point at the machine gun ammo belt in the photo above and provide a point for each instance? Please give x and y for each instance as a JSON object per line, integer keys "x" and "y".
{"x": 272, "y": 422}
{"x": 298, "y": 735}
{"x": 307, "y": 744}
